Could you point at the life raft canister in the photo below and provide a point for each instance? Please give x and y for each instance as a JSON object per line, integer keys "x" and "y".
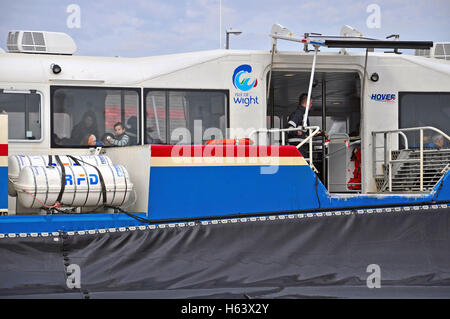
{"x": 355, "y": 182}
{"x": 39, "y": 186}
{"x": 230, "y": 141}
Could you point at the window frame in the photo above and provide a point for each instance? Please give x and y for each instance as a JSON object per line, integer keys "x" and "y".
{"x": 403, "y": 93}
{"x": 399, "y": 111}
{"x": 41, "y": 113}
{"x": 53, "y": 89}
{"x": 167, "y": 110}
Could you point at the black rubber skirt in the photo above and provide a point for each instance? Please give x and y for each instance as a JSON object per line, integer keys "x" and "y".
{"x": 379, "y": 253}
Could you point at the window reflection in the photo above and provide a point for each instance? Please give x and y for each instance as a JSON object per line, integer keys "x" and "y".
{"x": 95, "y": 117}
{"x": 419, "y": 109}
{"x": 24, "y": 115}
{"x": 173, "y": 116}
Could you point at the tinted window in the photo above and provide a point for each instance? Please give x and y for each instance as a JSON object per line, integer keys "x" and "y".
{"x": 86, "y": 116}
{"x": 24, "y": 115}
{"x": 206, "y": 111}
{"x": 156, "y": 117}
{"x": 424, "y": 109}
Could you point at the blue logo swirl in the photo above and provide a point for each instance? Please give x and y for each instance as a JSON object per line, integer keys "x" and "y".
{"x": 240, "y": 81}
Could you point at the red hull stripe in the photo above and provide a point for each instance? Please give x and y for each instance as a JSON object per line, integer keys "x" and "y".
{"x": 223, "y": 150}
{"x": 3, "y": 149}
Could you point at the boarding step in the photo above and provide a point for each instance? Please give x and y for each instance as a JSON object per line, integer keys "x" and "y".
{"x": 441, "y": 151}
{"x": 406, "y": 172}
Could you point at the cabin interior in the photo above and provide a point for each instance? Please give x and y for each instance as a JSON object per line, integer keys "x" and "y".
{"x": 335, "y": 109}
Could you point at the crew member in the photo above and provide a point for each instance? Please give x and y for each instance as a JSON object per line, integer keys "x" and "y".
{"x": 295, "y": 120}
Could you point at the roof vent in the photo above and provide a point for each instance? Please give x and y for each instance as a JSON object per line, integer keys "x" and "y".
{"x": 440, "y": 50}
{"x": 40, "y": 42}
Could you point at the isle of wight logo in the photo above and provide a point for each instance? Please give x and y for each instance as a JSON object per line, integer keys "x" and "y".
{"x": 243, "y": 82}
{"x": 241, "y": 79}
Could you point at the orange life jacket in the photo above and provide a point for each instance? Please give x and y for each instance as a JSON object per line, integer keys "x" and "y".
{"x": 230, "y": 141}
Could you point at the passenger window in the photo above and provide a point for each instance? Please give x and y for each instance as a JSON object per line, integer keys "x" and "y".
{"x": 185, "y": 109}
{"x": 155, "y": 117}
{"x": 419, "y": 109}
{"x": 95, "y": 117}
{"x": 24, "y": 114}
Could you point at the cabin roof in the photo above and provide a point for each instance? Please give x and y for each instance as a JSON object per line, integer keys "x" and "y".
{"x": 35, "y": 68}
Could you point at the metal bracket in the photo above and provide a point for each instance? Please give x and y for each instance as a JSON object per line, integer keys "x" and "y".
{"x": 306, "y": 36}
{"x": 396, "y": 37}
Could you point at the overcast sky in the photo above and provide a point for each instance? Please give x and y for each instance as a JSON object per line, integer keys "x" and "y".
{"x": 134, "y": 28}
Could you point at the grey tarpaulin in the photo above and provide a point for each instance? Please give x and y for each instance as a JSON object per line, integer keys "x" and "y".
{"x": 287, "y": 257}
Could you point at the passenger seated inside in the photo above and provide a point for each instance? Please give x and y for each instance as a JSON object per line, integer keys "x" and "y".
{"x": 120, "y": 139}
{"x": 436, "y": 142}
{"x": 87, "y": 126}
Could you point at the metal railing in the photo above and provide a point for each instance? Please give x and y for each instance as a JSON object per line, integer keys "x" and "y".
{"x": 283, "y": 131}
{"x": 387, "y": 146}
{"x": 346, "y": 140}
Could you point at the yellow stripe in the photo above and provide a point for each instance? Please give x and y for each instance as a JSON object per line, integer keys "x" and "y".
{"x": 3, "y": 160}
{"x": 3, "y": 129}
{"x": 226, "y": 161}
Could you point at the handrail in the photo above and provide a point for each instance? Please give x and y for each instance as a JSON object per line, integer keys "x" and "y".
{"x": 405, "y": 138}
{"x": 339, "y": 134}
{"x": 388, "y": 150}
{"x": 343, "y": 148}
{"x": 300, "y": 128}
{"x": 402, "y": 130}
{"x": 310, "y": 136}
{"x": 414, "y": 129}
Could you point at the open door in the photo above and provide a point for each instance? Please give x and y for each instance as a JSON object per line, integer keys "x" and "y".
{"x": 335, "y": 108}
{"x": 337, "y": 100}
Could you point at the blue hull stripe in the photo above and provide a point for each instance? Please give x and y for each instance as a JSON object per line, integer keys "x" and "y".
{"x": 177, "y": 192}
{"x": 184, "y": 192}
{"x": 3, "y": 187}
{"x": 59, "y": 223}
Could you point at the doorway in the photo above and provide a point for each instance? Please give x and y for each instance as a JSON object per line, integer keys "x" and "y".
{"x": 335, "y": 109}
